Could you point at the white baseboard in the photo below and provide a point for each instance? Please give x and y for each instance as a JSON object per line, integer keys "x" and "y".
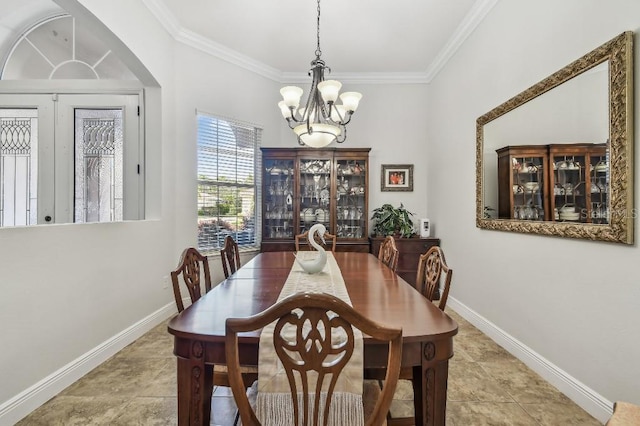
{"x": 589, "y": 400}
{"x": 21, "y": 405}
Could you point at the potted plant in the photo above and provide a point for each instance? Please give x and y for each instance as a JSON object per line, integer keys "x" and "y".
{"x": 389, "y": 220}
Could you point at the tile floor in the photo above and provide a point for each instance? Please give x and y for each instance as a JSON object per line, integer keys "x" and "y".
{"x": 487, "y": 386}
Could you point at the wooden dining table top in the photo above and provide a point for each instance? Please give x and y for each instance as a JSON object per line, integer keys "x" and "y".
{"x": 375, "y": 291}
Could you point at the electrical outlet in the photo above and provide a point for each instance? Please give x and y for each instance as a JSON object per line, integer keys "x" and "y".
{"x": 165, "y": 282}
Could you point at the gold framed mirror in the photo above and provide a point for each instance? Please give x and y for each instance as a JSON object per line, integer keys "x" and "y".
{"x": 557, "y": 159}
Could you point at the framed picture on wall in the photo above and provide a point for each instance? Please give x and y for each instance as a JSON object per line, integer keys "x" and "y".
{"x": 397, "y": 177}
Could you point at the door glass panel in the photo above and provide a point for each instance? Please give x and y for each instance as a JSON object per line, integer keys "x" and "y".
{"x": 528, "y": 188}
{"x": 351, "y": 211}
{"x": 569, "y": 188}
{"x": 98, "y": 165}
{"x": 599, "y": 187}
{"x": 278, "y": 183}
{"x": 315, "y": 184}
{"x": 18, "y": 166}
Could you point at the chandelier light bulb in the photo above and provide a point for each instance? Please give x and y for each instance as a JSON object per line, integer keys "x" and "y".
{"x": 339, "y": 113}
{"x": 350, "y": 100}
{"x": 329, "y": 90}
{"x": 284, "y": 109}
{"x": 291, "y": 96}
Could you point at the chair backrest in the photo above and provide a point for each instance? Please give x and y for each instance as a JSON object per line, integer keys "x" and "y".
{"x": 311, "y": 311}
{"x": 431, "y": 266}
{"x": 302, "y": 241}
{"x": 191, "y": 266}
{"x": 230, "y": 256}
{"x": 388, "y": 253}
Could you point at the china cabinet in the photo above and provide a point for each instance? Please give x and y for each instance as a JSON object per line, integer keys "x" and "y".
{"x": 559, "y": 182}
{"x": 579, "y": 183}
{"x": 303, "y": 186}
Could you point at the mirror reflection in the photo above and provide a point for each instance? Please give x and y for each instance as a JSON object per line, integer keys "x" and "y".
{"x": 544, "y": 156}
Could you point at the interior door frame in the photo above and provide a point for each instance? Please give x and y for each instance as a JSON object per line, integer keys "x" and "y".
{"x": 56, "y": 143}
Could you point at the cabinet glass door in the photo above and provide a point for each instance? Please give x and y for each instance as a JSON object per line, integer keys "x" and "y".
{"x": 278, "y": 197}
{"x": 599, "y": 188}
{"x": 351, "y": 208}
{"x": 528, "y": 188}
{"x": 315, "y": 184}
{"x": 569, "y": 188}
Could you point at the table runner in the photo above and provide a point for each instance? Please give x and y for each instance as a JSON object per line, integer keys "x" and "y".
{"x": 273, "y": 404}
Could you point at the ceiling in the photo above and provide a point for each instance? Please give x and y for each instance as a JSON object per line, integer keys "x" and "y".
{"x": 403, "y": 40}
{"x": 407, "y": 38}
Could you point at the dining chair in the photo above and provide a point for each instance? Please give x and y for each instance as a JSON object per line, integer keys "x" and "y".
{"x": 306, "y": 349}
{"x": 230, "y": 256}
{"x": 431, "y": 266}
{"x": 624, "y": 414}
{"x": 193, "y": 268}
{"x": 302, "y": 241}
{"x": 388, "y": 253}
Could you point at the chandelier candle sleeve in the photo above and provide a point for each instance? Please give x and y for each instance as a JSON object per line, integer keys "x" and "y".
{"x": 320, "y": 121}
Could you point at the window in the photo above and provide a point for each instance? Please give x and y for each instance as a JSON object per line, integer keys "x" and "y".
{"x": 228, "y": 152}
{"x": 62, "y": 48}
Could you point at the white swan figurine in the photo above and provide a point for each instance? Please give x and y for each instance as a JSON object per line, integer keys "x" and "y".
{"x": 313, "y": 266}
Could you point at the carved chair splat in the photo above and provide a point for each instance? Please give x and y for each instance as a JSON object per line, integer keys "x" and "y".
{"x": 313, "y": 308}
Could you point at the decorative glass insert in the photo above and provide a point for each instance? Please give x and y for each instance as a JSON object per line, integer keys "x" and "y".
{"x": 18, "y": 166}
{"x": 62, "y": 48}
{"x": 98, "y": 165}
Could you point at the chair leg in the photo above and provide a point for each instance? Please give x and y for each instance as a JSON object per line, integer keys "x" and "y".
{"x": 400, "y": 421}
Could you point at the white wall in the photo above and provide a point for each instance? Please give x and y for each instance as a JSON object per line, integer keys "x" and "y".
{"x": 573, "y": 302}
{"x": 67, "y": 290}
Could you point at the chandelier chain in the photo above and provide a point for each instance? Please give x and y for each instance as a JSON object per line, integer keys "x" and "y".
{"x": 321, "y": 121}
{"x": 318, "y": 51}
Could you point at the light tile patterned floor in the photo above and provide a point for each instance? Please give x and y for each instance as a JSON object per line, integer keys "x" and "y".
{"x": 487, "y": 386}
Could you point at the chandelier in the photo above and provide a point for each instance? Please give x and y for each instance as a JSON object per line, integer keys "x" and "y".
{"x": 321, "y": 121}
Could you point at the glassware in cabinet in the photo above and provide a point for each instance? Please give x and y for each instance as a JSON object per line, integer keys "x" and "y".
{"x": 351, "y": 198}
{"x": 322, "y": 182}
{"x": 569, "y": 200}
{"x": 314, "y": 190}
{"x": 599, "y": 187}
{"x": 278, "y": 196}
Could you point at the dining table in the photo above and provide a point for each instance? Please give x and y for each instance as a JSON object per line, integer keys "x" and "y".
{"x": 375, "y": 291}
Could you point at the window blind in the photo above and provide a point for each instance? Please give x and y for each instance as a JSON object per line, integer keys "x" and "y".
{"x": 228, "y": 154}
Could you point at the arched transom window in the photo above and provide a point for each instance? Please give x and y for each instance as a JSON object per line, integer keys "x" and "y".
{"x": 62, "y": 48}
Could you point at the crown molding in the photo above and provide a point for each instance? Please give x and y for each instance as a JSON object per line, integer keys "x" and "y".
{"x": 469, "y": 23}
{"x": 477, "y": 13}
{"x": 164, "y": 16}
{"x": 229, "y": 55}
{"x": 361, "y": 78}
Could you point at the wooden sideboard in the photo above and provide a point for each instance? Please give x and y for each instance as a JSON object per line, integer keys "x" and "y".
{"x": 409, "y": 250}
